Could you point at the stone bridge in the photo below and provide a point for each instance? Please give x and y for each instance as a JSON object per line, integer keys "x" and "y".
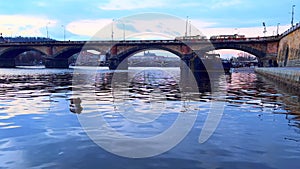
{"x": 58, "y": 52}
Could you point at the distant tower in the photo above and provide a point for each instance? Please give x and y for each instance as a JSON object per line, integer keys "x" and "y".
{"x": 1, "y": 38}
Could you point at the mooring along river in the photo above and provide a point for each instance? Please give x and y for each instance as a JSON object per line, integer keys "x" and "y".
{"x": 40, "y": 126}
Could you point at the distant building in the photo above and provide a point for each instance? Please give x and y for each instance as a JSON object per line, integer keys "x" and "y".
{"x": 25, "y": 39}
{"x": 212, "y": 55}
{"x": 149, "y": 59}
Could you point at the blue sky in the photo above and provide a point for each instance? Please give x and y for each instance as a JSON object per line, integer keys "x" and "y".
{"x": 81, "y": 17}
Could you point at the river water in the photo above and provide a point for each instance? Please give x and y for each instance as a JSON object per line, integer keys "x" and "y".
{"x": 40, "y": 121}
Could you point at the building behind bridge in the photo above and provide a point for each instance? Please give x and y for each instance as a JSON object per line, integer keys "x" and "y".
{"x": 24, "y": 39}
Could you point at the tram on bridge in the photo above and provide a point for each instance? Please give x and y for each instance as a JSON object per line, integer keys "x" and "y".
{"x": 228, "y": 37}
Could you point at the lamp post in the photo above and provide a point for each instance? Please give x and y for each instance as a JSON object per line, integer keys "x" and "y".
{"x": 112, "y": 30}
{"x": 186, "y": 26}
{"x": 293, "y": 11}
{"x": 190, "y": 26}
{"x": 265, "y": 29}
{"x": 47, "y": 30}
{"x": 278, "y": 28}
{"x": 64, "y": 29}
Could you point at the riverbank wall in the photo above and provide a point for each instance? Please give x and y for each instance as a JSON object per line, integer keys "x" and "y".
{"x": 288, "y": 54}
{"x": 290, "y": 76}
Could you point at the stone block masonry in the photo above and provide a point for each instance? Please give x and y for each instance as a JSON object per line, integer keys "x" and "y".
{"x": 287, "y": 75}
{"x": 289, "y": 48}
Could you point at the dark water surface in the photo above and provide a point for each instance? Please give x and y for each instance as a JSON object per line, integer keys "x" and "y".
{"x": 39, "y": 127}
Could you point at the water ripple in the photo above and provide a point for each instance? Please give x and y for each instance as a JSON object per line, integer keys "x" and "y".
{"x": 39, "y": 126}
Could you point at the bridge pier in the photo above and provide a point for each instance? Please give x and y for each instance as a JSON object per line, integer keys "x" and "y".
{"x": 116, "y": 64}
{"x": 193, "y": 70}
{"x": 186, "y": 67}
{"x": 7, "y": 63}
{"x": 57, "y": 63}
{"x": 268, "y": 61}
{"x": 185, "y": 71}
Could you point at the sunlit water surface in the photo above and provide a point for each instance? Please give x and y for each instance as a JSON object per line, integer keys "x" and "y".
{"x": 39, "y": 127}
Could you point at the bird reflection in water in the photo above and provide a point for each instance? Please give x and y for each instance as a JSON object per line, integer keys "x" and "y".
{"x": 75, "y": 105}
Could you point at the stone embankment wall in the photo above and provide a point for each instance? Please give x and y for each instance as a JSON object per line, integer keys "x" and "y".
{"x": 288, "y": 76}
{"x": 289, "y": 48}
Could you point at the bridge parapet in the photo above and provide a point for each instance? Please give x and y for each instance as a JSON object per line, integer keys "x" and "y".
{"x": 290, "y": 30}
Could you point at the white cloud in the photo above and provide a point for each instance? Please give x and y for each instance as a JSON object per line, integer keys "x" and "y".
{"x": 20, "y": 25}
{"x": 41, "y": 4}
{"x": 164, "y": 27}
{"x": 202, "y": 24}
{"x": 87, "y": 27}
{"x": 248, "y": 32}
{"x": 223, "y": 4}
{"x": 148, "y": 26}
{"x": 132, "y": 4}
{"x": 138, "y": 4}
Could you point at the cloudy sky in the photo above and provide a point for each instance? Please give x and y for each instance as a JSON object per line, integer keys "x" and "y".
{"x": 83, "y": 18}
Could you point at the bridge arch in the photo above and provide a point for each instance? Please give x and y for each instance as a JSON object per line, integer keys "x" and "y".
{"x": 259, "y": 54}
{"x": 62, "y": 58}
{"x": 70, "y": 51}
{"x": 130, "y": 52}
{"x": 13, "y": 52}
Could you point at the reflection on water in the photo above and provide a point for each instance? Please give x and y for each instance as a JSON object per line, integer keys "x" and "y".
{"x": 75, "y": 105}
{"x": 39, "y": 126}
